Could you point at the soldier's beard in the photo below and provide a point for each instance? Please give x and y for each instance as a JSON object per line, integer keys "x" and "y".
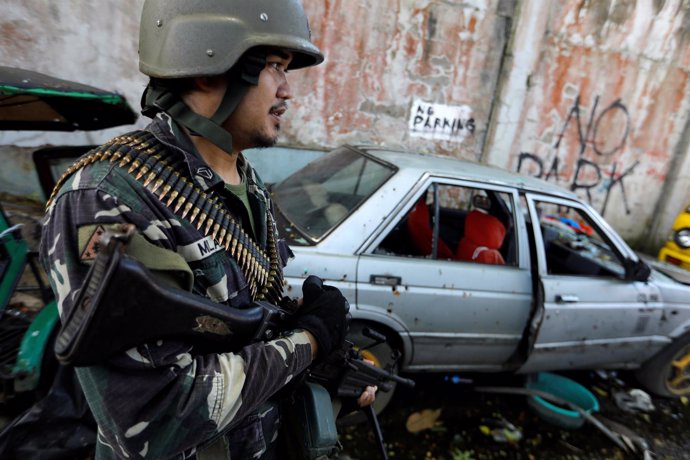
{"x": 264, "y": 140}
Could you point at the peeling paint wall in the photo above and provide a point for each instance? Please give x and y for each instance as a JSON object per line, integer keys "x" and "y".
{"x": 602, "y": 107}
{"x": 590, "y": 94}
{"x": 383, "y": 55}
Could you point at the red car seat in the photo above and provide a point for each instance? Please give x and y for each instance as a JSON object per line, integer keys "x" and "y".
{"x": 421, "y": 232}
{"x": 484, "y": 234}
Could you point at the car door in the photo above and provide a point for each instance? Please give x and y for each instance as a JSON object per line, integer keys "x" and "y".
{"x": 593, "y": 315}
{"x": 460, "y": 314}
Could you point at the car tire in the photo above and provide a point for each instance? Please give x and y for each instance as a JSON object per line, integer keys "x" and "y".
{"x": 382, "y": 355}
{"x": 668, "y": 372}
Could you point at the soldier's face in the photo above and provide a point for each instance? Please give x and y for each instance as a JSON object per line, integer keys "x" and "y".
{"x": 256, "y": 120}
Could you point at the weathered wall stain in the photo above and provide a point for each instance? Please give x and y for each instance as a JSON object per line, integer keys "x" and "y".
{"x": 604, "y": 107}
{"x": 381, "y": 56}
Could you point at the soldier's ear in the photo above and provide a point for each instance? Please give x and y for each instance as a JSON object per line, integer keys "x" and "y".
{"x": 208, "y": 84}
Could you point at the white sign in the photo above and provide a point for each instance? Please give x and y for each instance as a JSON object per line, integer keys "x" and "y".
{"x": 441, "y": 122}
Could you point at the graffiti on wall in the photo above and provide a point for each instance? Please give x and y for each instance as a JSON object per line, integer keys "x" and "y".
{"x": 593, "y": 172}
{"x": 440, "y": 121}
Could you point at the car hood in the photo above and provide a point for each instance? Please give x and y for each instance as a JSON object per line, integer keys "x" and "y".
{"x": 666, "y": 270}
{"x": 37, "y": 102}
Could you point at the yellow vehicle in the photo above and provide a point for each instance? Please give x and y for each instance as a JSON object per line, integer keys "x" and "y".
{"x": 676, "y": 251}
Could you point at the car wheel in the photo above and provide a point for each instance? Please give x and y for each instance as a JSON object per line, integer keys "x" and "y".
{"x": 382, "y": 355}
{"x": 668, "y": 373}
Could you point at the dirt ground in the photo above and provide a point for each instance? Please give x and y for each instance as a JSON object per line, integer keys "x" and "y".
{"x": 472, "y": 425}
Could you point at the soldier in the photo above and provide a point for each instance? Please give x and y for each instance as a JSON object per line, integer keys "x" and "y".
{"x": 217, "y": 86}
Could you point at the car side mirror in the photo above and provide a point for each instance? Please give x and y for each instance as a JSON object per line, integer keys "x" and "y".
{"x": 637, "y": 270}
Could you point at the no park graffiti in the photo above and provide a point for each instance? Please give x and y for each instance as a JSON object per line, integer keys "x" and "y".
{"x": 593, "y": 137}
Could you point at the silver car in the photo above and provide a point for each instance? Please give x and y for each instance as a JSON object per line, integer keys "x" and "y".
{"x": 466, "y": 267}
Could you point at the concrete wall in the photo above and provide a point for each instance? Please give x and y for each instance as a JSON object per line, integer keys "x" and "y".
{"x": 595, "y": 97}
{"x": 383, "y": 56}
{"x": 590, "y": 94}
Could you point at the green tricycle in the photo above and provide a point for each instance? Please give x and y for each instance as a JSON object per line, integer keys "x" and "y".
{"x": 30, "y": 101}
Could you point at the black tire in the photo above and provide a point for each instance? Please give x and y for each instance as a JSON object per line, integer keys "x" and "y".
{"x": 668, "y": 372}
{"x": 383, "y": 356}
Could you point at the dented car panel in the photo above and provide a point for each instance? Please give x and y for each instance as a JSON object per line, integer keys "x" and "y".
{"x": 592, "y": 321}
{"x": 470, "y": 267}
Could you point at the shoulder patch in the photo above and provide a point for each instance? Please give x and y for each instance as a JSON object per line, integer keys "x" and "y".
{"x": 91, "y": 247}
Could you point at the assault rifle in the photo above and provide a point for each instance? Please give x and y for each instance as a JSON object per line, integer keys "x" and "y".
{"x": 103, "y": 322}
{"x": 345, "y": 374}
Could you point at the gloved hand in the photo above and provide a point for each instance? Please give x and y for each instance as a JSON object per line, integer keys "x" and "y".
{"x": 324, "y": 313}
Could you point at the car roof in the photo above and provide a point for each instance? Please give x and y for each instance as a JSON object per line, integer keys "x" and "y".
{"x": 445, "y": 166}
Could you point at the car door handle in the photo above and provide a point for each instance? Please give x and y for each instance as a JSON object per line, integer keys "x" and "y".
{"x": 567, "y": 298}
{"x": 385, "y": 280}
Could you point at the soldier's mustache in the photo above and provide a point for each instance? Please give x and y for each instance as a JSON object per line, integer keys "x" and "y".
{"x": 279, "y": 108}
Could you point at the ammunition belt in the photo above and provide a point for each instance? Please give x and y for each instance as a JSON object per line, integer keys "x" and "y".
{"x": 151, "y": 163}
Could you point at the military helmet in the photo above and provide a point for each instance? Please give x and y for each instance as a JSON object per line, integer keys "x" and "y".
{"x": 192, "y": 38}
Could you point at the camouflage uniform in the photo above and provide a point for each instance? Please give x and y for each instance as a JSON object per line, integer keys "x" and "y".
{"x": 166, "y": 399}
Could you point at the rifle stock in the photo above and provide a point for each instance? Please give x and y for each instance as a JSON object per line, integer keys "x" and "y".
{"x": 121, "y": 305}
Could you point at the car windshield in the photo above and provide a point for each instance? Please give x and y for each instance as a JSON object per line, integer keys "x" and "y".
{"x": 315, "y": 199}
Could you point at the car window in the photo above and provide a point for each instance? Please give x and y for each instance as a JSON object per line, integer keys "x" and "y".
{"x": 574, "y": 245}
{"x": 473, "y": 225}
{"x": 319, "y": 196}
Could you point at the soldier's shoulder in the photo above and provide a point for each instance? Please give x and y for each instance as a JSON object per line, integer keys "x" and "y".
{"x": 98, "y": 169}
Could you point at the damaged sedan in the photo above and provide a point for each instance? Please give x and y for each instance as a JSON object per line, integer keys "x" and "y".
{"x": 465, "y": 267}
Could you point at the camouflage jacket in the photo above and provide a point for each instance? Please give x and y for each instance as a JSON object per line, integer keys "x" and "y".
{"x": 166, "y": 399}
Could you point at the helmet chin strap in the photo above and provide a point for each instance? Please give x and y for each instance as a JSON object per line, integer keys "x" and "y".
{"x": 159, "y": 98}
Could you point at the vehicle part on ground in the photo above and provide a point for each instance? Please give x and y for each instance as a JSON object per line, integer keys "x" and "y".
{"x": 600, "y": 425}
{"x": 566, "y": 389}
{"x": 668, "y": 373}
{"x": 634, "y": 400}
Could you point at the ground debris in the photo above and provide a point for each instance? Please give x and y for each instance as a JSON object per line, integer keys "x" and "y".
{"x": 634, "y": 400}
{"x": 424, "y": 420}
{"x": 500, "y": 430}
{"x": 463, "y": 412}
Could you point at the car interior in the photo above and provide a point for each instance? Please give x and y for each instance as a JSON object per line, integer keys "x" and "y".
{"x": 573, "y": 247}
{"x": 478, "y": 229}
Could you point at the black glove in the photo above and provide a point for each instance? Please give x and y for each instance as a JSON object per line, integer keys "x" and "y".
{"x": 324, "y": 313}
